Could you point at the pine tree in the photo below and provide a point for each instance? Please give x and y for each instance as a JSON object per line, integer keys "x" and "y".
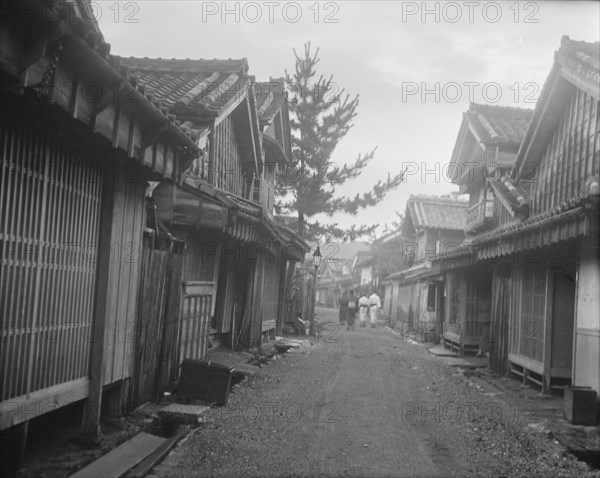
{"x": 321, "y": 116}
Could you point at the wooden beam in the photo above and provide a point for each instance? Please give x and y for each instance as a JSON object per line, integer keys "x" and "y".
{"x": 131, "y": 137}
{"x": 152, "y": 135}
{"x": 547, "y": 353}
{"x": 20, "y": 409}
{"x": 115, "y": 131}
{"x": 90, "y": 428}
{"x": 108, "y": 97}
{"x": 74, "y": 98}
{"x": 254, "y": 146}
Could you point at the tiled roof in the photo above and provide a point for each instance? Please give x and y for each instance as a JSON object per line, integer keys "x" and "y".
{"x": 432, "y": 212}
{"x": 270, "y": 96}
{"x": 514, "y": 197}
{"x": 580, "y": 62}
{"x": 200, "y": 89}
{"x": 498, "y": 124}
{"x": 576, "y": 63}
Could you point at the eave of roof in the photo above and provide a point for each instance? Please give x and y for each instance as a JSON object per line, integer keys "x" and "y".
{"x": 573, "y": 67}
{"x": 199, "y": 90}
{"x": 274, "y": 151}
{"x": 419, "y": 215}
{"x": 82, "y": 39}
{"x": 491, "y": 127}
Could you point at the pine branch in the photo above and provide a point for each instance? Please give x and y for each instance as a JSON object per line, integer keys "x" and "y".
{"x": 371, "y": 198}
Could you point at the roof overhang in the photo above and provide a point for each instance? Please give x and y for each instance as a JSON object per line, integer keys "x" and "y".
{"x": 274, "y": 153}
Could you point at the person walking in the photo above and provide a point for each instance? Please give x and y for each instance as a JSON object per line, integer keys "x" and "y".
{"x": 363, "y": 305}
{"x": 343, "y": 308}
{"x": 351, "y": 313}
{"x": 374, "y": 307}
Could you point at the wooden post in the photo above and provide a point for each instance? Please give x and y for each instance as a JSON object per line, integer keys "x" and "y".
{"x": 289, "y": 292}
{"x": 281, "y": 296}
{"x": 547, "y": 353}
{"x": 256, "y": 323}
{"x": 90, "y": 428}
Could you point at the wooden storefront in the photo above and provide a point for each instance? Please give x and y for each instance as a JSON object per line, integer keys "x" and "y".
{"x": 468, "y": 305}
{"x": 541, "y": 325}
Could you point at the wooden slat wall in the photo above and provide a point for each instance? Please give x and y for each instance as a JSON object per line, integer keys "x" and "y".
{"x": 201, "y": 255}
{"x": 226, "y": 296}
{"x": 156, "y": 340}
{"x": 572, "y": 156}
{"x": 227, "y": 173}
{"x": 193, "y": 333}
{"x": 529, "y": 317}
{"x": 126, "y": 241}
{"x": 501, "y": 216}
{"x": 500, "y": 320}
{"x": 169, "y": 342}
{"x": 49, "y": 219}
{"x": 149, "y": 328}
{"x": 272, "y": 280}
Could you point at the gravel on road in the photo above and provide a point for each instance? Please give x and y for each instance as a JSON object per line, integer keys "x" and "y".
{"x": 365, "y": 403}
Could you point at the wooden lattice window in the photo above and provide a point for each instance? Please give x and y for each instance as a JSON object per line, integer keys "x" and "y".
{"x": 533, "y": 311}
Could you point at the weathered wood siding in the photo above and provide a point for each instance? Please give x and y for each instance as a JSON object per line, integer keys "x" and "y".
{"x": 195, "y": 318}
{"x": 148, "y": 336}
{"x": 225, "y": 171}
{"x": 500, "y": 316}
{"x": 272, "y": 279}
{"x": 125, "y": 249}
{"x": 50, "y": 190}
{"x": 202, "y": 257}
{"x": 501, "y": 216}
{"x": 468, "y": 307}
{"x": 586, "y": 361}
{"x": 572, "y": 156}
{"x": 529, "y": 321}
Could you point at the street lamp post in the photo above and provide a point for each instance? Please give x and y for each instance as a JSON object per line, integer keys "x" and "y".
{"x": 316, "y": 264}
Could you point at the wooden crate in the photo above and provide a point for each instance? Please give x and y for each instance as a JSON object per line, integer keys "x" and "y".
{"x": 206, "y": 381}
{"x": 580, "y": 406}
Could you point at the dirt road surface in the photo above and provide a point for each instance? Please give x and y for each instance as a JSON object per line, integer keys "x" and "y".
{"x": 364, "y": 403}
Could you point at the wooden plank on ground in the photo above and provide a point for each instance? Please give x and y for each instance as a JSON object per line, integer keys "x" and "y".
{"x": 123, "y": 458}
{"x": 155, "y": 457}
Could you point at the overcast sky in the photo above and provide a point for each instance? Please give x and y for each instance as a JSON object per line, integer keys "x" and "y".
{"x": 388, "y": 52}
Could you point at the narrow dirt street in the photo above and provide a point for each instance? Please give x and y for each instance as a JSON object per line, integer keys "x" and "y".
{"x": 364, "y": 403}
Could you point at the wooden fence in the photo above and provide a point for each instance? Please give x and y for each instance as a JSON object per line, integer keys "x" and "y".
{"x": 195, "y": 318}
{"x": 50, "y": 192}
{"x": 156, "y": 358}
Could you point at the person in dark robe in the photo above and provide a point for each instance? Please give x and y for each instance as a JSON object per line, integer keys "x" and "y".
{"x": 343, "y": 308}
{"x": 352, "y": 309}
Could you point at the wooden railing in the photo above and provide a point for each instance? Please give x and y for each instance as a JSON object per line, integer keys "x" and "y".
{"x": 477, "y": 214}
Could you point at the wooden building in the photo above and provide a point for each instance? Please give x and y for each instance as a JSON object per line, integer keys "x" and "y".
{"x": 432, "y": 228}
{"x": 338, "y": 272}
{"x": 236, "y": 256}
{"x": 542, "y": 240}
{"x": 485, "y": 151}
{"x": 80, "y": 141}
